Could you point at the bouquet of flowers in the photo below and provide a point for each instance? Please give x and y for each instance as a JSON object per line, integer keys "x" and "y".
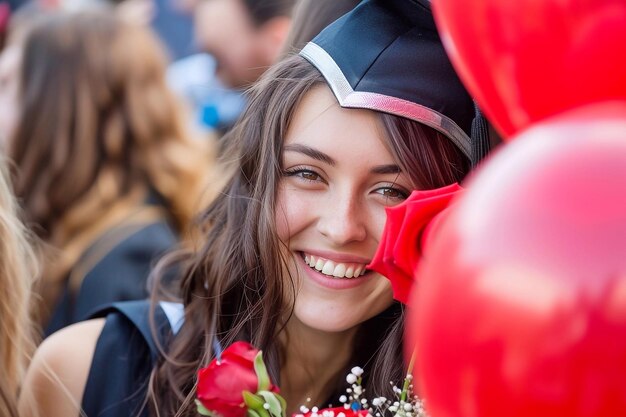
{"x": 236, "y": 384}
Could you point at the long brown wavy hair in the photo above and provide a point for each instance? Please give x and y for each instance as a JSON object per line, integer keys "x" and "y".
{"x": 234, "y": 286}
{"x": 99, "y": 131}
{"x": 18, "y": 269}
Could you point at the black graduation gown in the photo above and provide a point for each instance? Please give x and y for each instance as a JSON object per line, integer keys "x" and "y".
{"x": 124, "y": 356}
{"x": 120, "y": 275}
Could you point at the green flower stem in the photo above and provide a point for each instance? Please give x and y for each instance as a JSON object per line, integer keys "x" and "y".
{"x": 407, "y": 382}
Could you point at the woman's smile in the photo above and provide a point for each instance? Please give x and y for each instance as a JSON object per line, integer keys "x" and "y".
{"x": 337, "y": 266}
{"x": 333, "y": 274}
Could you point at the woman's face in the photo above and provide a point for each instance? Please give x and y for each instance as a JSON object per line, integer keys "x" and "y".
{"x": 338, "y": 178}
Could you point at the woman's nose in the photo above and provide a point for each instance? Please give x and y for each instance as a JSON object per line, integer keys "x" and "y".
{"x": 342, "y": 221}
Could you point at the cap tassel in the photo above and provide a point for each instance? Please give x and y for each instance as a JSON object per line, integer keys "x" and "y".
{"x": 480, "y": 137}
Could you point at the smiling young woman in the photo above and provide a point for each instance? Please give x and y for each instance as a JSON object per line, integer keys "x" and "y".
{"x": 313, "y": 166}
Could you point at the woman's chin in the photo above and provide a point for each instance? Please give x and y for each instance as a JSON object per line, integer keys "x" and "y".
{"x": 338, "y": 315}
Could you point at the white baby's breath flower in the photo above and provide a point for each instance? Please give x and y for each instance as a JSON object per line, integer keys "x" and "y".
{"x": 357, "y": 371}
{"x": 351, "y": 378}
{"x": 343, "y": 399}
{"x": 303, "y": 409}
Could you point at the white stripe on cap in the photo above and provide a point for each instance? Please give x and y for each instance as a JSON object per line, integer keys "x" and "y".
{"x": 349, "y": 98}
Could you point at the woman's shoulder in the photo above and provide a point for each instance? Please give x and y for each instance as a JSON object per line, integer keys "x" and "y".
{"x": 100, "y": 366}
{"x": 58, "y": 373}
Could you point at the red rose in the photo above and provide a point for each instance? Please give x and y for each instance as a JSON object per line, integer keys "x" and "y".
{"x": 406, "y": 231}
{"x": 222, "y": 383}
{"x": 334, "y": 412}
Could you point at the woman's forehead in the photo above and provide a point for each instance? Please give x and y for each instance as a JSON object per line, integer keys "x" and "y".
{"x": 320, "y": 124}
{"x": 319, "y": 114}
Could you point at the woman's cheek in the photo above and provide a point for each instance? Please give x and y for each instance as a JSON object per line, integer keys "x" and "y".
{"x": 294, "y": 210}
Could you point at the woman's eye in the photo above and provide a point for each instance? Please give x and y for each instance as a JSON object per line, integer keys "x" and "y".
{"x": 309, "y": 175}
{"x": 305, "y": 174}
{"x": 392, "y": 193}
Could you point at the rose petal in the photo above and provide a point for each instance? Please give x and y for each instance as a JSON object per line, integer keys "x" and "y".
{"x": 400, "y": 249}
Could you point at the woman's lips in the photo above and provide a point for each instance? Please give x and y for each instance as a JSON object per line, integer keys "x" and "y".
{"x": 332, "y": 282}
{"x": 334, "y": 268}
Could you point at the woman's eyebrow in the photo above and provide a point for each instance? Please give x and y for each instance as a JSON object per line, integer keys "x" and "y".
{"x": 308, "y": 151}
{"x": 321, "y": 156}
{"x": 386, "y": 169}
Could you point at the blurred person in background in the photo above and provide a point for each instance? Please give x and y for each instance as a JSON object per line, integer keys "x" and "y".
{"x": 310, "y": 17}
{"x": 22, "y": 19}
{"x": 239, "y": 39}
{"x": 173, "y": 23}
{"x": 171, "y": 20}
{"x": 105, "y": 170}
{"x": 244, "y": 36}
{"x": 18, "y": 269}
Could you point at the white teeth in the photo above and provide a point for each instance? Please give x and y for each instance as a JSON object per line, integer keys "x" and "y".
{"x": 329, "y": 268}
{"x": 320, "y": 264}
{"x": 340, "y": 271}
{"x": 334, "y": 269}
{"x": 349, "y": 272}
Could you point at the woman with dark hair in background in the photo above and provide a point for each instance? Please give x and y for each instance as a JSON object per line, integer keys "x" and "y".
{"x": 330, "y": 138}
{"x": 107, "y": 175}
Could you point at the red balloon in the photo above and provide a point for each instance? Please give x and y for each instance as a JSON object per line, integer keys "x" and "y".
{"x": 521, "y": 307}
{"x": 525, "y": 60}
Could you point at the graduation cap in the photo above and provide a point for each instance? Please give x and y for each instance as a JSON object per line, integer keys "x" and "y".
{"x": 386, "y": 55}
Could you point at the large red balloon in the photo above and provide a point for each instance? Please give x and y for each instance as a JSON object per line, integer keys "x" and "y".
{"x": 521, "y": 307}
{"x": 524, "y": 60}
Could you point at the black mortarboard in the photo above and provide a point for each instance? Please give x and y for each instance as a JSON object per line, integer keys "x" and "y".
{"x": 386, "y": 55}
